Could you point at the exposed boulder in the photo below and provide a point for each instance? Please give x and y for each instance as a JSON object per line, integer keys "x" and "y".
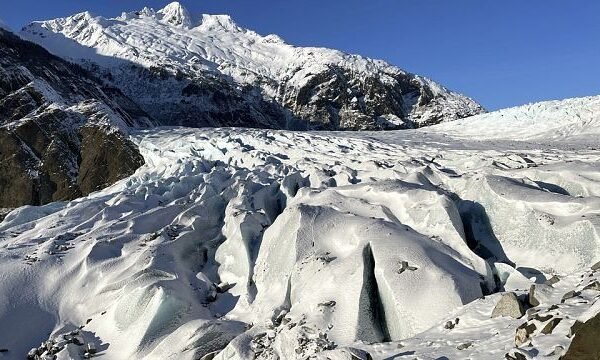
{"x": 523, "y": 333}
{"x": 553, "y": 280}
{"x": 549, "y": 327}
{"x": 509, "y": 305}
{"x": 594, "y": 285}
{"x": 585, "y": 344}
{"x": 569, "y": 295}
{"x": 464, "y": 346}
{"x": 539, "y": 293}
{"x": 515, "y": 355}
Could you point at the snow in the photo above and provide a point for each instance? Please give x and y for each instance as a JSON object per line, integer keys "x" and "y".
{"x": 356, "y": 232}
{"x": 4, "y": 26}
{"x": 557, "y": 120}
{"x": 290, "y": 244}
{"x": 175, "y": 14}
{"x": 491, "y": 338}
{"x": 216, "y": 38}
{"x": 173, "y": 40}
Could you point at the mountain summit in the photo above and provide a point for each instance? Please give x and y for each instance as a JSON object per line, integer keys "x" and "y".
{"x": 176, "y": 14}
{"x": 213, "y": 72}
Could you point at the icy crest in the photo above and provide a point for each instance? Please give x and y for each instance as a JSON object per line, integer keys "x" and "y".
{"x": 556, "y": 119}
{"x": 175, "y": 14}
{"x": 219, "y": 22}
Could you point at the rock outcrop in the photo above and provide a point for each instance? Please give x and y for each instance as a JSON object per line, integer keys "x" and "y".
{"x": 585, "y": 345}
{"x": 61, "y": 134}
{"x": 509, "y": 305}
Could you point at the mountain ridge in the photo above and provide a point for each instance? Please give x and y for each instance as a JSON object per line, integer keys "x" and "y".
{"x": 308, "y": 87}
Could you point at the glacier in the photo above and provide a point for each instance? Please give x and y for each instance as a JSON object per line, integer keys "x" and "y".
{"x": 233, "y": 243}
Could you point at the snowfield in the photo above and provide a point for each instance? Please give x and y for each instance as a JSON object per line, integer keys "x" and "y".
{"x": 242, "y": 244}
{"x": 555, "y": 120}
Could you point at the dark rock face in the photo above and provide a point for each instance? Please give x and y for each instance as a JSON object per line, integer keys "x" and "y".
{"x": 105, "y": 159}
{"x": 59, "y": 136}
{"x": 199, "y": 100}
{"x": 338, "y": 99}
{"x": 585, "y": 344}
{"x": 335, "y": 99}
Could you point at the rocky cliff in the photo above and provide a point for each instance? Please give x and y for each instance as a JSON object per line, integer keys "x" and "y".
{"x": 61, "y": 134}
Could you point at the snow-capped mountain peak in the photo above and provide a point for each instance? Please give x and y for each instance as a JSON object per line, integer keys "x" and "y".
{"x": 265, "y": 81}
{"x": 146, "y": 12}
{"x": 175, "y": 14}
{"x": 219, "y": 22}
{"x": 3, "y": 25}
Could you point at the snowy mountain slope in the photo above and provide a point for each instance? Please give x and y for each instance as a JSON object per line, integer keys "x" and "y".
{"x": 545, "y": 120}
{"x": 4, "y": 26}
{"x": 228, "y": 75}
{"x": 57, "y": 126}
{"x": 273, "y": 244}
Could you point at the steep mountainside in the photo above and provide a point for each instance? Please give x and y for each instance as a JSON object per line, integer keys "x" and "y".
{"x": 212, "y": 72}
{"x": 61, "y": 134}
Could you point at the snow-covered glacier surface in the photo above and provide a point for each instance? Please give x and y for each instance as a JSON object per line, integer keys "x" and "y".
{"x": 269, "y": 244}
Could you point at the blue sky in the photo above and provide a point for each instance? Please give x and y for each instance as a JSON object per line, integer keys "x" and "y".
{"x": 501, "y": 53}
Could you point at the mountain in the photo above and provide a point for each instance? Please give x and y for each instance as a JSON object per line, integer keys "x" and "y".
{"x": 263, "y": 244}
{"x": 62, "y": 133}
{"x": 209, "y": 71}
{"x": 4, "y": 26}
